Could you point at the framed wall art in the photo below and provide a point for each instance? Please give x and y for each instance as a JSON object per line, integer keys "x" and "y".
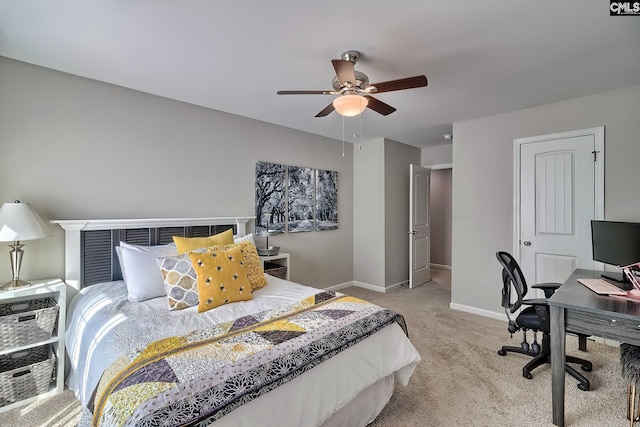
{"x": 271, "y": 207}
{"x": 300, "y": 193}
{"x": 326, "y": 200}
{"x": 295, "y": 198}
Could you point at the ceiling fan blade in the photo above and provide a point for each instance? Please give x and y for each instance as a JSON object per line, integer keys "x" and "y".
{"x": 327, "y": 110}
{"x": 379, "y": 106}
{"x": 344, "y": 71}
{"x": 400, "y": 84}
{"x": 306, "y": 92}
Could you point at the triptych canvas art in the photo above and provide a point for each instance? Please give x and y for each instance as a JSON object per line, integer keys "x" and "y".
{"x": 295, "y": 199}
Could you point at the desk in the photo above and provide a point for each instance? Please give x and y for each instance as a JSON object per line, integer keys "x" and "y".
{"x": 578, "y": 309}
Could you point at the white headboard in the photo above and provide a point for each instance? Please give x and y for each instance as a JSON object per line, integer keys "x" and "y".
{"x": 76, "y": 251}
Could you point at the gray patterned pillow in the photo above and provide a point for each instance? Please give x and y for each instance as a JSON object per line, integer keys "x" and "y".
{"x": 180, "y": 281}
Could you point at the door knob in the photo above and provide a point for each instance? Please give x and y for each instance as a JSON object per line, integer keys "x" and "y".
{"x": 526, "y": 243}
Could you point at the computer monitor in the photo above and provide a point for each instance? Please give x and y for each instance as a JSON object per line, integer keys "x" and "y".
{"x": 615, "y": 243}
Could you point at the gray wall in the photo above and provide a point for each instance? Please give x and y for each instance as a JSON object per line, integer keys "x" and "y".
{"x": 483, "y": 181}
{"x": 381, "y": 212}
{"x": 437, "y": 155}
{"x": 397, "y": 157}
{"x": 76, "y": 148}
{"x": 440, "y": 211}
{"x": 368, "y": 212}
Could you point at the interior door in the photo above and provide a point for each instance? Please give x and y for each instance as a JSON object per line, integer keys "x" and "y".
{"x": 559, "y": 179}
{"x": 420, "y": 233}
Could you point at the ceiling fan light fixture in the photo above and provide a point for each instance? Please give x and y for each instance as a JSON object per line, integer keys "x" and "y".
{"x": 350, "y": 105}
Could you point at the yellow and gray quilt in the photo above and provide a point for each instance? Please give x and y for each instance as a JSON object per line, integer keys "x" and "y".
{"x": 199, "y": 377}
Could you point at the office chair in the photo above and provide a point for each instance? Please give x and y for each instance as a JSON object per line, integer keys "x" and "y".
{"x": 534, "y": 317}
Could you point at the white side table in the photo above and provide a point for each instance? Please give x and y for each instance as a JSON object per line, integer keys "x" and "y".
{"x": 280, "y": 259}
{"x": 56, "y": 289}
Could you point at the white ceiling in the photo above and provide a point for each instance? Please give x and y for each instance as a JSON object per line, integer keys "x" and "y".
{"x": 480, "y": 57}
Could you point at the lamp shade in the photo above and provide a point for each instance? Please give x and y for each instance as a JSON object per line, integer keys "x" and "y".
{"x": 18, "y": 221}
{"x": 350, "y": 105}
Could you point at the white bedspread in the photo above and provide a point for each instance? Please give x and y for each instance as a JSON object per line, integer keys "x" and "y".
{"x": 103, "y": 325}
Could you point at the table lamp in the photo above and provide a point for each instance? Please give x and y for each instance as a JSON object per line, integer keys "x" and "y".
{"x": 268, "y": 250}
{"x": 18, "y": 222}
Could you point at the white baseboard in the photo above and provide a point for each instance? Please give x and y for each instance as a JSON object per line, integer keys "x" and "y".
{"x": 360, "y": 285}
{"x": 478, "y": 311}
{"x": 441, "y": 266}
{"x": 397, "y": 285}
{"x": 340, "y": 286}
{"x": 369, "y": 286}
{"x": 503, "y": 317}
{"x": 605, "y": 341}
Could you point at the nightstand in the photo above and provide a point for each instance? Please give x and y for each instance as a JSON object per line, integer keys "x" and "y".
{"x": 26, "y": 361}
{"x": 276, "y": 262}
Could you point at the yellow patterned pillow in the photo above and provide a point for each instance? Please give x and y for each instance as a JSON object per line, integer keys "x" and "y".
{"x": 188, "y": 244}
{"x": 252, "y": 263}
{"x": 222, "y": 277}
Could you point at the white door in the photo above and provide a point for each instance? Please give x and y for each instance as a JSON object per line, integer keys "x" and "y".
{"x": 420, "y": 234}
{"x": 561, "y": 191}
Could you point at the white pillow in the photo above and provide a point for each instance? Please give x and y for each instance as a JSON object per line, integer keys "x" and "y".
{"x": 140, "y": 270}
{"x": 239, "y": 239}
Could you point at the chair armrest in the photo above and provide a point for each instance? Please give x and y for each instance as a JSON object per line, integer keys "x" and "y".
{"x": 536, "y": 301}
{"x": 548, "y": 288}
{"x": 551, "y": 285}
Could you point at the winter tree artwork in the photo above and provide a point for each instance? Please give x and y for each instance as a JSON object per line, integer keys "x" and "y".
{"x": 326, "y": 200}
{"x": 300, "y": 199}
{"x": 270, "y": 196}
{"x": 295, "y": 199}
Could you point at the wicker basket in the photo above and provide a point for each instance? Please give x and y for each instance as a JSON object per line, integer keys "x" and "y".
{"x": 26, "y": 373}
{"x": 276, "y": 270}
{"x": 27, "y": 322}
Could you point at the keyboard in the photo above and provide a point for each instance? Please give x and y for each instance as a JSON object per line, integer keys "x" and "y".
{"x": 602, "y": 287}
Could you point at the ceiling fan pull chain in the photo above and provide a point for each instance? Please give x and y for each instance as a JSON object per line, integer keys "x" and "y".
{"x": 360, "y": 134}
{"x": 342, "y": 136}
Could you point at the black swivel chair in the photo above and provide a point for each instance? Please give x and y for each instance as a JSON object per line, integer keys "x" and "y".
{"x": 535, "y": 317}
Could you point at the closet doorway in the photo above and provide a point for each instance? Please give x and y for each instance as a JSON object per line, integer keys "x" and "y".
{"x": 441, "y": 216}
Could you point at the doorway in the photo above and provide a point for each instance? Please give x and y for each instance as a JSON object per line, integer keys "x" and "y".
{"x": 441, "y": 216}
{"x": 420, "y": 225}
{"x": 559, "y": 188}
{"x": 436, "y": 249}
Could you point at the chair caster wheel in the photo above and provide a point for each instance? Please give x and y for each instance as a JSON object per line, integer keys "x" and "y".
{"x": 527, "y": 375}
{"x": 501, "y": 352}
{"x": 586, "y": 368}
{"x": 584, "y": 387}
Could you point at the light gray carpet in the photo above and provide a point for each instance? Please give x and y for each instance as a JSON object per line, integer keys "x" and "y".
{"x": 461, "y": 381}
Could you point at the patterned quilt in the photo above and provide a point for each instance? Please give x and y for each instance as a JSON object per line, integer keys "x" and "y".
{"x": 199, "y": 377}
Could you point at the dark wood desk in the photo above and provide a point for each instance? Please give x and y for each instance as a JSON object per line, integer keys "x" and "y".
{"x": 577, "y": 308}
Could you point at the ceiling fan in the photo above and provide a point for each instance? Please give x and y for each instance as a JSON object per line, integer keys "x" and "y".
{"x": 354, "y": 89}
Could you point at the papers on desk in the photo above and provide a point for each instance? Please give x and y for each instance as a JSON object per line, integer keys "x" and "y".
{"x": 602, "y": 287}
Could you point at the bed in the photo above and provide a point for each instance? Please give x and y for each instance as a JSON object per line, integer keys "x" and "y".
{"x": 307, "y": 357}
